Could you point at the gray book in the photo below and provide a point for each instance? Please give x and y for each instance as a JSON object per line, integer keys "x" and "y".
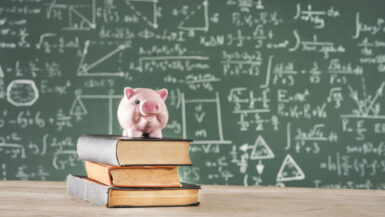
{"x": 113, "y": 197}
{"x": 126, "y": 151}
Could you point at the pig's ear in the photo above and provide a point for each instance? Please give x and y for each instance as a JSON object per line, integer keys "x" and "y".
{"x": 162, "y": 93}
{"x": 129, "y": 92}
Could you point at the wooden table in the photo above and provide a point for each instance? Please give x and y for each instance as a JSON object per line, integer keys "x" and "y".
{"x": 31, "y": 198}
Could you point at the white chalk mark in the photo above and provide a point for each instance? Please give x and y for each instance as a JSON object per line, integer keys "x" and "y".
{"x": 365, "y": 106}
{"x": 200, "y": 117}
{"x": 92, "y": 23}
{"x": 245, "y": 111}
{"x": 298, "y": 41}
{"x": 154, "y": 22}
{"x": 338, "y": 163}
{"x": 358, "y": 26}
{"x": 288, "y": 136}
{"x": 57, "y": 154}
{"x": 42, "y": 37}
{"x": 202, "y": 80}
{"x": 78, "y": 108}
{"x": 84, "y": 54}
{"x": 245, "y": 181}
{"x": 200, "y": 100}
{"x": 16, "y": 89}
{"x": 205, "y": 27}
{"x": 84, "y": 68}
{"x": 219, "y": 117}
{"x": 51, "y": 6}
{"x": 289, "y": 170}
{"x": 1, "y": 72}
{"x": 11, "y": 145}
{"x": 14, "y": 146}
{"x": 378, "y": 94}
{"x": 363, "y": 117}
{"x": 241, "y": 62}
{"x": 268, "y": 71}
{"x": 142, "y": 59}
{"x": 260, "y": 150}
{"x": 183, "y": 116}
{"x": 100, "y": 96}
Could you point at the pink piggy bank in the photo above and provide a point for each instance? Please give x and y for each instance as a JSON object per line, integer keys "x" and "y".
{"x": 142, "y": 112}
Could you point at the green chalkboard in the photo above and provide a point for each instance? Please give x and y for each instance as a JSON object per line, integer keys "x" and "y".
{"x": 281, "y": 93}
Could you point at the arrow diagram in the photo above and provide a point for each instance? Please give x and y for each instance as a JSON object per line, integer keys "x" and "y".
{"x": 244, "y": 147}
{"x": 260, "y": 167}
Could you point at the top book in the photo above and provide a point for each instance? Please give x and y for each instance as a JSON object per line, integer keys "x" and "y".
{"x": 126, "y": 151}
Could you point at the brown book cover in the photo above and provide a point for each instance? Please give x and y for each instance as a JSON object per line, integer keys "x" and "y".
{"x": 126, "y": 151}
{"x": 133, "y": 176}
{"x": 112, "y": 197}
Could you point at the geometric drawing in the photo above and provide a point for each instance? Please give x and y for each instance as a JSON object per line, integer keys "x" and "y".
{"x": 83, "y": 20}
{"x": 194, "y": 20}
{"x": 368, "y": 106}
{"x": 84, "y": 68}
{"x": 289, "y": 170}
{"x": 22, "y": 92}
{"x": 268, "y": 71}
{"x": 137, "y": 5}
{"x": 261, "y": 150}
{"x": 203, "y": 119}
{"x": 78, "y": 109}
{"x": 78, "y": 15}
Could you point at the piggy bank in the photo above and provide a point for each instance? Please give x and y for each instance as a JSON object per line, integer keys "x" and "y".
{"x": 142, "y": 112}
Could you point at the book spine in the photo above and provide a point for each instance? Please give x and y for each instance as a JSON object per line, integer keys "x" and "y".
{"x": 98, "y": 149}
{"x": 87, "y": 190}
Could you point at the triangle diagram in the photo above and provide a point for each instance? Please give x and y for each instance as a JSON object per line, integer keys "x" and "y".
{"x": 84, "y": 17}
{"x": 197, "y": 19}
{"x": 147, "y": 10}
{"x": 103, "y": 62}
{"x": 289, "y": 170}
{"x": 78, "y": 109}
{"x": 260, "y": 150}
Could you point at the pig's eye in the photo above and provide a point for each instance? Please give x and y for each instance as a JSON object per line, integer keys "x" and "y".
{"x": 137, "y": 101}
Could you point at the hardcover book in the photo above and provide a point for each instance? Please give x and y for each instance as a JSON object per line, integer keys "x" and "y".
{"x": 133, "y": 176}
{"x": 126, "y": 151}
{"x": 109, "y": 196}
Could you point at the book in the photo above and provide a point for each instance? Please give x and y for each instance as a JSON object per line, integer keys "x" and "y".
{"x": 133, "y": 176}
{"x": 126, "y": 151}
{"x": 110, "y": 196}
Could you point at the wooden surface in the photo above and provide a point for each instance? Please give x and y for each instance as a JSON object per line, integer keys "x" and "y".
{"x": 28, "y": 198}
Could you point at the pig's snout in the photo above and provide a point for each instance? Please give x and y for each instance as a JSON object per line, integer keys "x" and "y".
{"x": 150, "y": 107}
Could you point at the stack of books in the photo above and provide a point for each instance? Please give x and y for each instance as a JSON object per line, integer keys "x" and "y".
{"x": 133, "y": 172}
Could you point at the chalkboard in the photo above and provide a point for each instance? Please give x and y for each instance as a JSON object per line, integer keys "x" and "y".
{"x": 278, "y": 93}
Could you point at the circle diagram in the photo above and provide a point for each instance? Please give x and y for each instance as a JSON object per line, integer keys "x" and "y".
{"x": 22, "y": 92}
